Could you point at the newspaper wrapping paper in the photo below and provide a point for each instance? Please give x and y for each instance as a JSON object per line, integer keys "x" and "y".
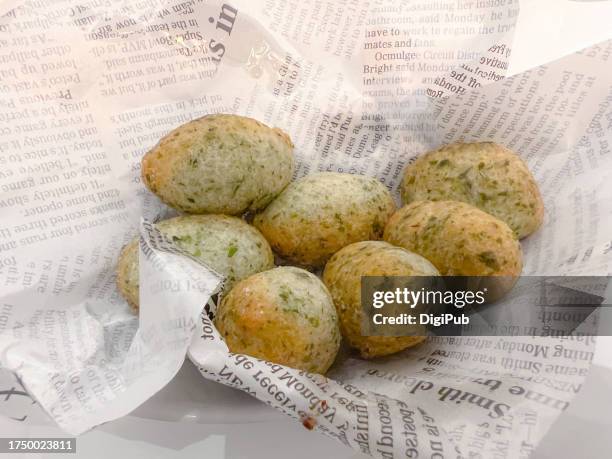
{"x": 88, "y": 87}
{"x": 118, "y": 357}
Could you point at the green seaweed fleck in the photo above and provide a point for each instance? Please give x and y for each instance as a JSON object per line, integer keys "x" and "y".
{"x": 489, "y": 259}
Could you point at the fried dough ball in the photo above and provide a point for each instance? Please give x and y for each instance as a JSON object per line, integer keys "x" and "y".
{"x": 460, "y": 240}
{"x": 319, "y": 214}
{"x": 284, "y": 315}
{"x": 228, "y": 245}
{"x": 485, "y": 175}
{"x": 342, "y": 276}
{"x": 220, "y": 164}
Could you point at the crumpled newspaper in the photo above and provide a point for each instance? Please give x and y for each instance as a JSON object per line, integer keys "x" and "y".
{"x": 362, "y": 87}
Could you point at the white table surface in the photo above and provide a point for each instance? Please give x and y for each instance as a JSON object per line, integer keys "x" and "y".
{"x": 547, "y": 30}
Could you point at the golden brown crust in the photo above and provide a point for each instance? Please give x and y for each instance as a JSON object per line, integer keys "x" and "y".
{"x": 284, "y": 315}
{"x": 224, "y": 164}
{"x": 342, "y": 276}
{"x": 485, "y": 175}
{"x": 321, "y": 213}
{"x": 228, "y": 245}
{"x": 127, "y": 274}
{"x": 459, "y": 239}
